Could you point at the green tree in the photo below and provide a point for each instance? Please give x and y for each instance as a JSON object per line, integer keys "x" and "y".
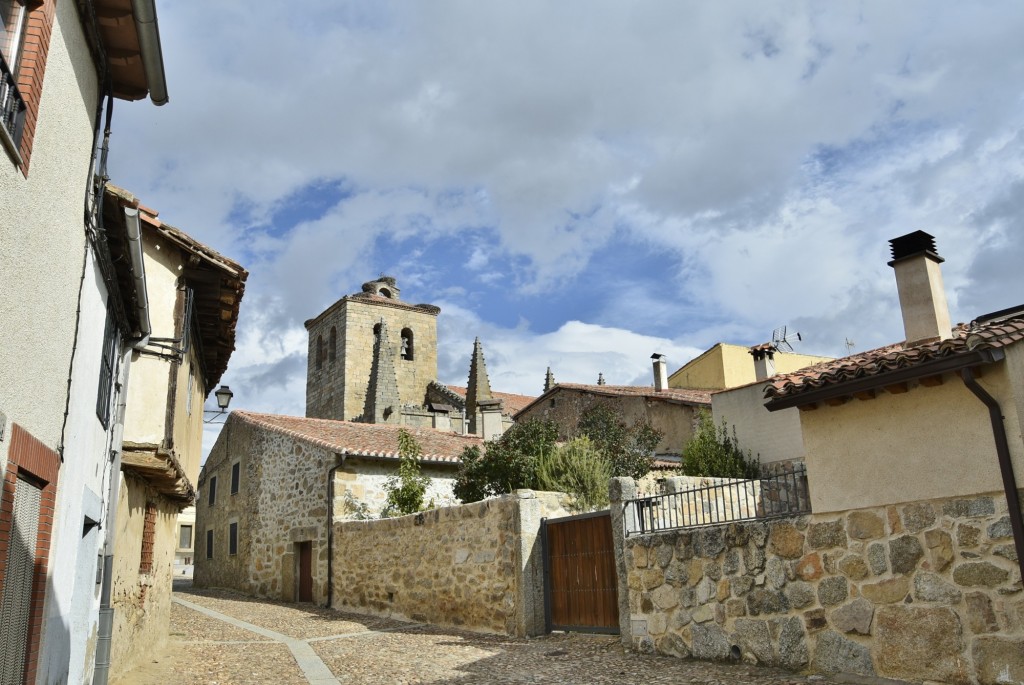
{"x": 406, "y": 489}
{"x": 627, "y": 448}
{"x": 715, "y": 452}
{"x": 506, "y": 464}
{"x": 578, "y": 468}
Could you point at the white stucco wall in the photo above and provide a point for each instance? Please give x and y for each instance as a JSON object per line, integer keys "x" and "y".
{"x": 773, "y": 436}
{"x": 928, "y": 443}
{"x": 42, "y": 240}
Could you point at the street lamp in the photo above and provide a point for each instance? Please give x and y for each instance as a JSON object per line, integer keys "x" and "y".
{"x": 223, "y": 395}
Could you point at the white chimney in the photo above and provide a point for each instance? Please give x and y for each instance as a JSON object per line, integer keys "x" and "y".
{"x": 764, "y": 361}
{"x": 919, "y": 282}
{"x": 660, "y": 372}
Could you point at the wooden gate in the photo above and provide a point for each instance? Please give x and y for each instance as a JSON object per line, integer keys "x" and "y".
{"x": 580, "y": 583}
{"x": 305, "y": 571}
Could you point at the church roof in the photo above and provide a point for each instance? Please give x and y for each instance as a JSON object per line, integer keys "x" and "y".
{"x": 375, "y": 440}
{"x": 512, "y": 402}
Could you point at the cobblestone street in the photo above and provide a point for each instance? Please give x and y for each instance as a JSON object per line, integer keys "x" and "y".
{"x": 224, "y": 638}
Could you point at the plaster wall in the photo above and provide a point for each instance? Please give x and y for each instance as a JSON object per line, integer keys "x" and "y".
{"x": 42, "y": 240}
{"x": 860, "y": 453}
{"x": 770, "y": 436}
{"x": 730, "y": 366}
{"x": 141, "y": 601}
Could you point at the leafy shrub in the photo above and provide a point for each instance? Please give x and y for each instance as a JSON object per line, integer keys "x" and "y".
{"x": 577, "y": 468}
{"x": 715, "y": 452}
{"x": 506, "y": 464}
{"x": 627, "y": 448}
{"x": 407, "y": 489}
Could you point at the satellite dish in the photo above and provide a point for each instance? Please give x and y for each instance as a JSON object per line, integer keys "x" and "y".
{"x": 780, "y": 341}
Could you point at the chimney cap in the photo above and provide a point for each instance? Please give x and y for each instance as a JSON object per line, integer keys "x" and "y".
{"x": 913, "y": 244}
{"x": 657, "y": 356}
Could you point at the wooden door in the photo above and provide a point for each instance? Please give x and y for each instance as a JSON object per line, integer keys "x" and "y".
{"x": 580, "y": 582}
{"x": 305, "y": 571}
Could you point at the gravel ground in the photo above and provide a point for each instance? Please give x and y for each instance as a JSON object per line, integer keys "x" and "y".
{"x": 361, "y": 649}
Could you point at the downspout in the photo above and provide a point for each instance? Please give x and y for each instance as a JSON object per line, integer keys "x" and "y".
{"x": 134, "y": 230}
{"x": 148, "y": 32}
{"x": 1005, "y": 464}
{"x": 340, "y": 456}
{"x": 105, "y": 630}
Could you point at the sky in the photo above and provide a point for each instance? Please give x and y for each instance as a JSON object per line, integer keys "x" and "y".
{"x": 584, "y": 183}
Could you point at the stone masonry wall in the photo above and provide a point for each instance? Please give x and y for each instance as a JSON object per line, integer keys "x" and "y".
{"x": 475, "y": 566}
{"x": 925, "y": 591}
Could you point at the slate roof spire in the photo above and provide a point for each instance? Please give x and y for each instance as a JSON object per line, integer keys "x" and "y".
{"x": 382, "y": 401}
{"x": 478, "y": 389}
{"x": 549, "y": 380}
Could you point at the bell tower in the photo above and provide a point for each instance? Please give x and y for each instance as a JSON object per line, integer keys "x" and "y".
{"x": 349, "y": 376}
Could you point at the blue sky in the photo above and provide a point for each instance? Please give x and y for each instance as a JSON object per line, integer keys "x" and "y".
{"x": 584, "y": 183}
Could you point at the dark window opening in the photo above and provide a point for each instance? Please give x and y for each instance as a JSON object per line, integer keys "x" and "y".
{"x": 107, "y": 364}
{"x": 407, "y": 344}
{"x": 376, "y": 334}
{"x": 236, "y": 476}
{"x": 233, "y": 538}
{"x": 213, "y": 490}
{"x": 209, "y": 544}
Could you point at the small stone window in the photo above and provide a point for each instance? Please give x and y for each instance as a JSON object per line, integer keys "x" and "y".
{"x": 236, "y": 477}
{"x": 332, "y": 345}
{"x": 209, "y": 544}
{"x": 213, "y": 491}
{"x": 376, "y": 333}
{"x": 407, "y": 347}
{"x": 319, "y": 352}
{"x": 233, "y": 538}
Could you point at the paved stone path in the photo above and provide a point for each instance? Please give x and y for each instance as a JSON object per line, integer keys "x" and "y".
{"x": 223, "y": 638}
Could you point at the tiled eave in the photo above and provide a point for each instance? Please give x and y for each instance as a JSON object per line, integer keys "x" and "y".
{"x": 160, "y": 469}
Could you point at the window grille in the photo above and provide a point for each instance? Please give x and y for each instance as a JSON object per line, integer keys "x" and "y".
{"x": 148, "y": 535}
{"x": 108, "y": 362}
{"x": 12, "y": 32}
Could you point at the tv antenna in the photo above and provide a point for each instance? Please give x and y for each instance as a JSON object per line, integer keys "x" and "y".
{"x": 780, "y": 342}
{"x": 849, "y": 346}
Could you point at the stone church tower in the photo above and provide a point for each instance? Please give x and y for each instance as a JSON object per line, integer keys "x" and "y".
{"x": 370, "y": 354}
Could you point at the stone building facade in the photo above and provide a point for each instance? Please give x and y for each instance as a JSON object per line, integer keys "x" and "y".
{"x": 273, "y": 486}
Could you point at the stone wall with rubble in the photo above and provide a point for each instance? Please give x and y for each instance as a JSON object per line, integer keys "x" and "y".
{"x": 925, "y": 591}
{"x": 282, "y": 503}
{"x": 475, "y": 566}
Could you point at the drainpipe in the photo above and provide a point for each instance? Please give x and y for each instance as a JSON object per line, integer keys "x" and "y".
{"x": 1005, "y": 464}
{"x": 152, "y": 55}
{"x": 134, "y": 230}
{"x": 340, "y": 457}
{"x": 105, "y": 630}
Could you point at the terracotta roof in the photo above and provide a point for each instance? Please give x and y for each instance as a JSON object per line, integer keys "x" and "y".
{"x": 675, "y": 395}
{"x": 363, "y": 439}
{"x": 512, "y": 402}
{"x": 989, "y": 334}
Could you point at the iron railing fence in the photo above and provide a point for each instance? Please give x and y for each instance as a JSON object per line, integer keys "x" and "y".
{"x": 722, "y": 500}
{"x": 12, "y": 105}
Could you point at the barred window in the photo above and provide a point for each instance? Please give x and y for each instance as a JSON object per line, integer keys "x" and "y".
{"x": 148, "y": 534}
{"x": 108, "y": 362}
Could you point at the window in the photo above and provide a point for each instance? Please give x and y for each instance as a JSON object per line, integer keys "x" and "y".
{"x": 236, "y": 475}
{"x": 108, "y": 361}
{"x": 209, "y": 544}
{"x": 332, "y": 347}
{"x": 213, "y": 490}
{"x": 233, "y": 538}
{"x": 185, "y": 537}
{"x": 13, "y": 23}
{"x": 407, "y": 344}
{"x": 148, "y": 533}
{"x": 188, "y": 397}
{"x": 319, "y": 352}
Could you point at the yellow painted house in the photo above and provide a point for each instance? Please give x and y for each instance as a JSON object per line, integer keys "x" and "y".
{"x": 728, "y": 366}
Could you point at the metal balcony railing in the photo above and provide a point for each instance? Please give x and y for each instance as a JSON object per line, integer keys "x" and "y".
{"x": 12, "y": 105}
{"x": 722, "y": 501}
